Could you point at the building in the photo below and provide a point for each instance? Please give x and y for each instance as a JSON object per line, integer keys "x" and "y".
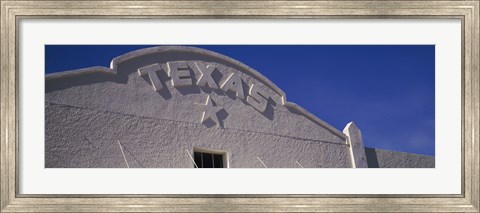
{"x": 185, "y": 107}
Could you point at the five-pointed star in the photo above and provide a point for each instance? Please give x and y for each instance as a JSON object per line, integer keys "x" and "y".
{"x": 210, "y": 111}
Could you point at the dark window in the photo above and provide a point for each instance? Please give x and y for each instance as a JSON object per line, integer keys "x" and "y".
{"x": 208, "y": 160}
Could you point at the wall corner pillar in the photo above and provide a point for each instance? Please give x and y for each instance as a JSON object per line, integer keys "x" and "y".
{"x": 355, "y": 143}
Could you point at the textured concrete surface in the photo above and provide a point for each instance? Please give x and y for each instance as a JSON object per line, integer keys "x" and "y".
{"x": 85, "y": 137}
{"x": 379, "y": 158}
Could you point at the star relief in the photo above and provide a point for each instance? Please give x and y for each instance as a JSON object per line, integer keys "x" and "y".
{"x": 210, "y": 111}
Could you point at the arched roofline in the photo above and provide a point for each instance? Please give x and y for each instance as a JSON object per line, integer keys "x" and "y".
{"x": 163, "y": 49}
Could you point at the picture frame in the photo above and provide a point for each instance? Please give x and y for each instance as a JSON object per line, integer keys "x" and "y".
{"x": 14, "y": 11}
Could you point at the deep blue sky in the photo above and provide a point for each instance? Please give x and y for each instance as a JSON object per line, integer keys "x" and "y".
{"x": 387, "y": 90}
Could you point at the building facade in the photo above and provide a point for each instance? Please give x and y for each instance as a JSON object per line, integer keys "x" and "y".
{"x": 185, "y": 107}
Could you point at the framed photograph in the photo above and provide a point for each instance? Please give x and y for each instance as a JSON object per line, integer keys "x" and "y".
{"x": 309, "y": 106}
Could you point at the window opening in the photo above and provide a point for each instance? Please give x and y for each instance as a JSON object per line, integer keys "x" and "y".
{"x": 208, "y": 160}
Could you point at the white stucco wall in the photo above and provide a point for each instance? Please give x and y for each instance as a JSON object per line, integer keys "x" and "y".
{"x": 88, "y": 110}
{"x": 83, "y": 137}
{"x": 380, "y": 158}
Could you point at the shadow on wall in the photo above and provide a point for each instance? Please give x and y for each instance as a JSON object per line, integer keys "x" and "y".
{"x": 372, "y": 159}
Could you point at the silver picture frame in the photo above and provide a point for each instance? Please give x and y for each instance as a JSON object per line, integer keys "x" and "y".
{"x": 14, "y": 11}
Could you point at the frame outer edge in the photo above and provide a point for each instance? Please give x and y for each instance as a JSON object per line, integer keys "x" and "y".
{"x": 3, "y": 105}
{"x": 8, "y": 131}
{"x": 475, "y": 45}
{"x": 11, "y": 125}
{"x": 471, "y": 108}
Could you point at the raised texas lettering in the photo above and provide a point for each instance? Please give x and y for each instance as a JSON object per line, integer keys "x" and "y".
{"x": 151, "y": 71}
{"x": 233, "y": 83}
{"x": 179, "y": 73}
{"x": 257, "y": 98}
{"x": 205, "y": 75}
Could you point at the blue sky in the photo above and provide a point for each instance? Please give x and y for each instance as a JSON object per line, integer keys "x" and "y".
{"x": 387, "y": 90}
